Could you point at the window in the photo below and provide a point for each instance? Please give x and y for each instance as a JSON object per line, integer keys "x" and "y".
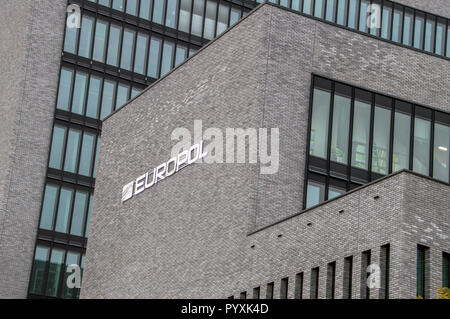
{"x": 122, "y": 95}
{"x": 284, "y": 288}
{"x": 141, "y": 53}
{"x": 158, "y": 11}
{"x": 386, "y": 20}
{"x": 402, "y": 133}
{"x": 54, "y": 271}
{"x": 340, "y": 129}
{"x": 348, "y": 277}
{"x": 307, "y": 6}
{"x": 421, "y": 161}
{"x": 109, "y": 88}
{"x": 210, "y": 19}
{"x": 298, "y": 294}
{"x": 295, "y": 4}
{"x": 87, "y": 24}
{"x": 87, "y": 153}
{"x": 331, "y": 9}
{"x": 269, "y": 291}
{"x": 180, "y": 55}
{"x": 315, "y": 193}
{"x": 118, "y": 5}
{"x": 64, "y": 207}
{"x": 57, "y": 148}
{"x": 171, "y": 17}
{"x": 381, "y": 140}
{"x": 353, "y": 13}
{"x": 429, "y": 34}
{"x": 418, "y": 29}
{"x": 101, "y": 30}
{"x": 70, "y": 40}
{"x": 166, "y": 62}
{"x": 72, "y": 258}
{"x": 235, "y": 15}
{"x": 153, "y": 59}
{"x": 363, "y": 15}
{"x": 114, "y": 44}
{"x": 93, "y": 101}
{"x": 331, "y": 280}
{"x": 106, "y": 3}
{"x": 375, "y": 17}
{"x": 79, "y": 93}
{"x": 319, "y": 123}
{"x": 135, "y": 91}
{"x": 41, "y": 256}
{"x": 361, "y": 134}
{"x": 64, "y": 90}
{"x": 448, "y": 42}
{"x": 334, "y": 192}
{"x": 132, "y": 7}
{"x": 445, "y": 270}
{"x": 256, "y": 293}
{"x": 319, "y": 8}
{"x": 185, "y": 15}
{"x": 365, "y": 262}
{"x": 127, "y": 49}
{"x": 197, "y": 17}
{"x": 385, "y": 257}
{"x": 441, "y": 151}
{"x": 49, "y": 206}
{"x": 79, "y": 211}
{"x": 145, "y": 9}
{"x": 422, "y": 271}
{"x": 397, "y": 23}
{"x": 72, "y": 146}
{"x": 222, "y": 18}
{"x": 440, "y": 37}
{"x": 314, "y": 289}
{"x": 342, "y": 12}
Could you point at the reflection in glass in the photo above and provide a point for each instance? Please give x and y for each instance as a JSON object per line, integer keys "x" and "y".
{"x": 145, "y": 9}
{"x": 141, "y": 53}
{"x": 40, "y": 263}
{"x": 340, "y": 131}
{"x": 93, "y": 100}
{"x": 361, "y": 135}
{"x": 109, "y": 88}
{"x": 319, "y": 123}
{"x": 79, "y": 210}
{"x": 114, "y": 45}
{"x": 101, "y": 30}
{"x": 64, "y": 90}
{"x": 381, "y": 138}
{"x": 386, "y": 22}
{"x": 132, "y": 7}
{"x": 79, "y": 93}
{"x": 48, "y": 206}
{"x": 197, "y": 17}
{"x": 87, "y": 150}
{"x": 73, "y": 143}
{"x": 166, "y": 62}
{"x": 171, "y": 13}
{"x": 54, "y": 272}
{"x": 185, "y": 15}
{"x": 180, "y": 55}
{"x": 307, "y": 6}
{"x": 210, "y": 19}
{"x": 158, "y": 11}
{"x": 329, "y": 15}
{"x": 235, "y": 15}
{"x": 222, "y": 18}
{"x": 429, "y": 35}
{"x": 352, "y": 14}
{"x": 418, "y": 30}
{"x": 421, "y": 160}
{"x": 334, "y": 192}
{"x": 441, "y": 152}
{"x": 397, "y": 24}
{"x": 402, "y": 133}
{"x": 363, "y": 15}
{"x": 127, "y": 49}
{"x": 87, "y": 24}
{"x": 153, "y": 59}
{"x": 65, "y": 202}
{"x": 72, "y": 258}
{"x": 318, "y": 8}
{"x": 122, "y": 95}
{"x": 315, "y": 193}
{"x": 57, "y": 150}
{"x": 342, "y": 12}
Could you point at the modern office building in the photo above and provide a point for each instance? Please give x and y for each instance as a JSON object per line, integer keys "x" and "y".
{"x": 364, "y": 129}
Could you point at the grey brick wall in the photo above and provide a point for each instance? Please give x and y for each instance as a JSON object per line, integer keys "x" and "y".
{"x": 187, "y": 236}
{"x": 439, "y": 7}
{"x": 31, "y": 33}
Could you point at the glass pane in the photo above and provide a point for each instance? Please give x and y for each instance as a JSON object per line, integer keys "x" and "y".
{"x": 441, "y": 152}
{"x": 127, "y": 49}
{"x": 106, "y": 3}
{"x": 181, "y": 55}
{"x": 94, "y": 174}
{"x": 342, "y": 12}
{"x": 235, "y": 15}
{"x": 73, "y": 143}
{"x": 122, "y": 95}
{"x": 79, "y": 93}
{"x": 114, "y": 45}
{"x": 319, "y": 123}
{"x": 91, "y": 201}
{"x": 318, "y": 8}
{"x": 440, "y": 38}
{"x": 87, "y": 152}
{"x": 381, "y": 138}
{"x": 197, "y": 17}
{"x": 185, "y": 15}
{"x": 447, "y": 54}
{"x": 70, "y": 40}
{"x": 429, "y": 35}
{"x": 48, "y": 207}
{"x": 361, "y": 135}
{"x": 79, "y": 210}
{"x": 363, "y": 15}
{"x": 54, "y": 272}
{"x": 171, "y": 14}
{"x": 87, "y": 24}
{"x": 141, "y": 53}
{"x": 57, "y": 150}
{"x": 72, "y": 258}
{"x": 64, "y": 90}
{"x": 295, "y": 4}
{"x": 132, "y": 7}
{"x": 192, "y": 52}
{"x": 340, "y": 131}
{"x": 421, "y": 161}
{"x": 386, "y": 23}
{"x": 101, "y": 30}
{"x": 109, "y": 88}
{"x": 93, "y": 101}
{"x": 284, "y": 3}
{"x": 158, "y": 11}
{"x": 65, "y": 203}
{"x": 331, "y": 7}
{"x": 352, "y": 13}
{"x": 166, "y": 63}
{"x": 418, "y": 30}
{"x": 118, "y": 5}
{"x": 307, "y": 6}
{"x": 153, "y": 59}
{"x": 397, "y": 24}
{"x": 334, "y": 192}
{"x": 222, "y": 19}
{"x": 39, "y": 265}
{"x": 135, "y": 92}
{"x": 402, "y": 129}
{"x": 145, "y": 9}
{"x": 210, "y": 20}
{"x": 375, "y": 18}
{"x": 315, "y": 194}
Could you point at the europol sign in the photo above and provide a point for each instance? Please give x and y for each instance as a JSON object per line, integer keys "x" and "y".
{"x": 167, "y": 169}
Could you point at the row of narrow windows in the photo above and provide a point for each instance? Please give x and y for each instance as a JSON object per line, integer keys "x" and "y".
{"x": 357, "y": 136}
{"x": 330, "y": 273}
{"x": 397, "y": 23}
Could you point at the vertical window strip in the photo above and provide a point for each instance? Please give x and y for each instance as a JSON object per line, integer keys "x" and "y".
{"x": 422, "y": 276}
{"x": 298, "y": 293}
{"x": 314, "y": 285}
{"x": 331, "y": 280}
{"x": 348, "y": 277}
